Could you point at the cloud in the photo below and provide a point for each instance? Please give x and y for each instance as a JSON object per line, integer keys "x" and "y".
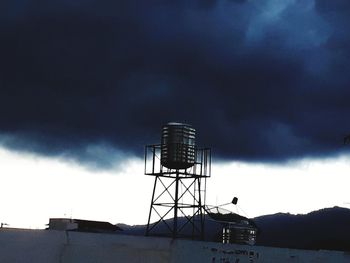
{"x": 93, "y": 155}
{"x": 260, "y": 80}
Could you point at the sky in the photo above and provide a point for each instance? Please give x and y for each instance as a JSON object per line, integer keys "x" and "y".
{"x": 84, "y": 85}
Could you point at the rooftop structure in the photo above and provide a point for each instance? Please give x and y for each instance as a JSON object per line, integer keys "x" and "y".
{"x": 180, "y": 169}
{"x": 69, "y": 224}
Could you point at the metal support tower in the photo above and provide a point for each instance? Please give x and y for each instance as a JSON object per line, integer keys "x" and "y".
{"x": 178, "y": 200}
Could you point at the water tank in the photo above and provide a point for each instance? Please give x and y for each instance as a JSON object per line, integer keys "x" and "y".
{"x": 178, "y": 146}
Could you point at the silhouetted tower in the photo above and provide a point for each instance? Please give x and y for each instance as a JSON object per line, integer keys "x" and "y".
{"x": 180, "y": 170}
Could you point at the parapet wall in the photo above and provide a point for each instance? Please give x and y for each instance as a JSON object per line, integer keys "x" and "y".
{"x": 51, "y": 246}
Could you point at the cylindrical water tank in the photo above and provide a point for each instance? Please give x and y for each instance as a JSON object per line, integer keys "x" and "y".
{"x": 178, "y": 146}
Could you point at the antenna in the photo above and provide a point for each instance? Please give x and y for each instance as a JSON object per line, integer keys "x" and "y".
{"x": 3, "y": 224}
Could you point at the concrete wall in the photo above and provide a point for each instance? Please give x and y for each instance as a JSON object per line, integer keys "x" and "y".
{"x": 227, "y": 253}
{"x": 50, "y": 246}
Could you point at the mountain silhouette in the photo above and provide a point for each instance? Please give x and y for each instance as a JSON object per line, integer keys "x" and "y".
{"x": 327, "y": 229}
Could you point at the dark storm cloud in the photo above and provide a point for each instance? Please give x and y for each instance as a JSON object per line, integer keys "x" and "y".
{"x": 91, "y": 80}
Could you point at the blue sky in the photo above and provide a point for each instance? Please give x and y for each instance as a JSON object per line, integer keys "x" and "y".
{"x": 86, "y": 84}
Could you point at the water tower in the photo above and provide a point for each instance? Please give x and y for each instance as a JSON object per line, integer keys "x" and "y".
{"x": 180, "y": 170}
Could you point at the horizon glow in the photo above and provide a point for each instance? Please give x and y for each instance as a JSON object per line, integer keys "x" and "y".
{"x": 36, "y": 188}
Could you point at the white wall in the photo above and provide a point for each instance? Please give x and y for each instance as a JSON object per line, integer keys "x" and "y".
{"x": 50, "y": 246}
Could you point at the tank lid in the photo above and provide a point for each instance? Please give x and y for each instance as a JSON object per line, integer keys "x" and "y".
{"x": 177, "y": 124}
